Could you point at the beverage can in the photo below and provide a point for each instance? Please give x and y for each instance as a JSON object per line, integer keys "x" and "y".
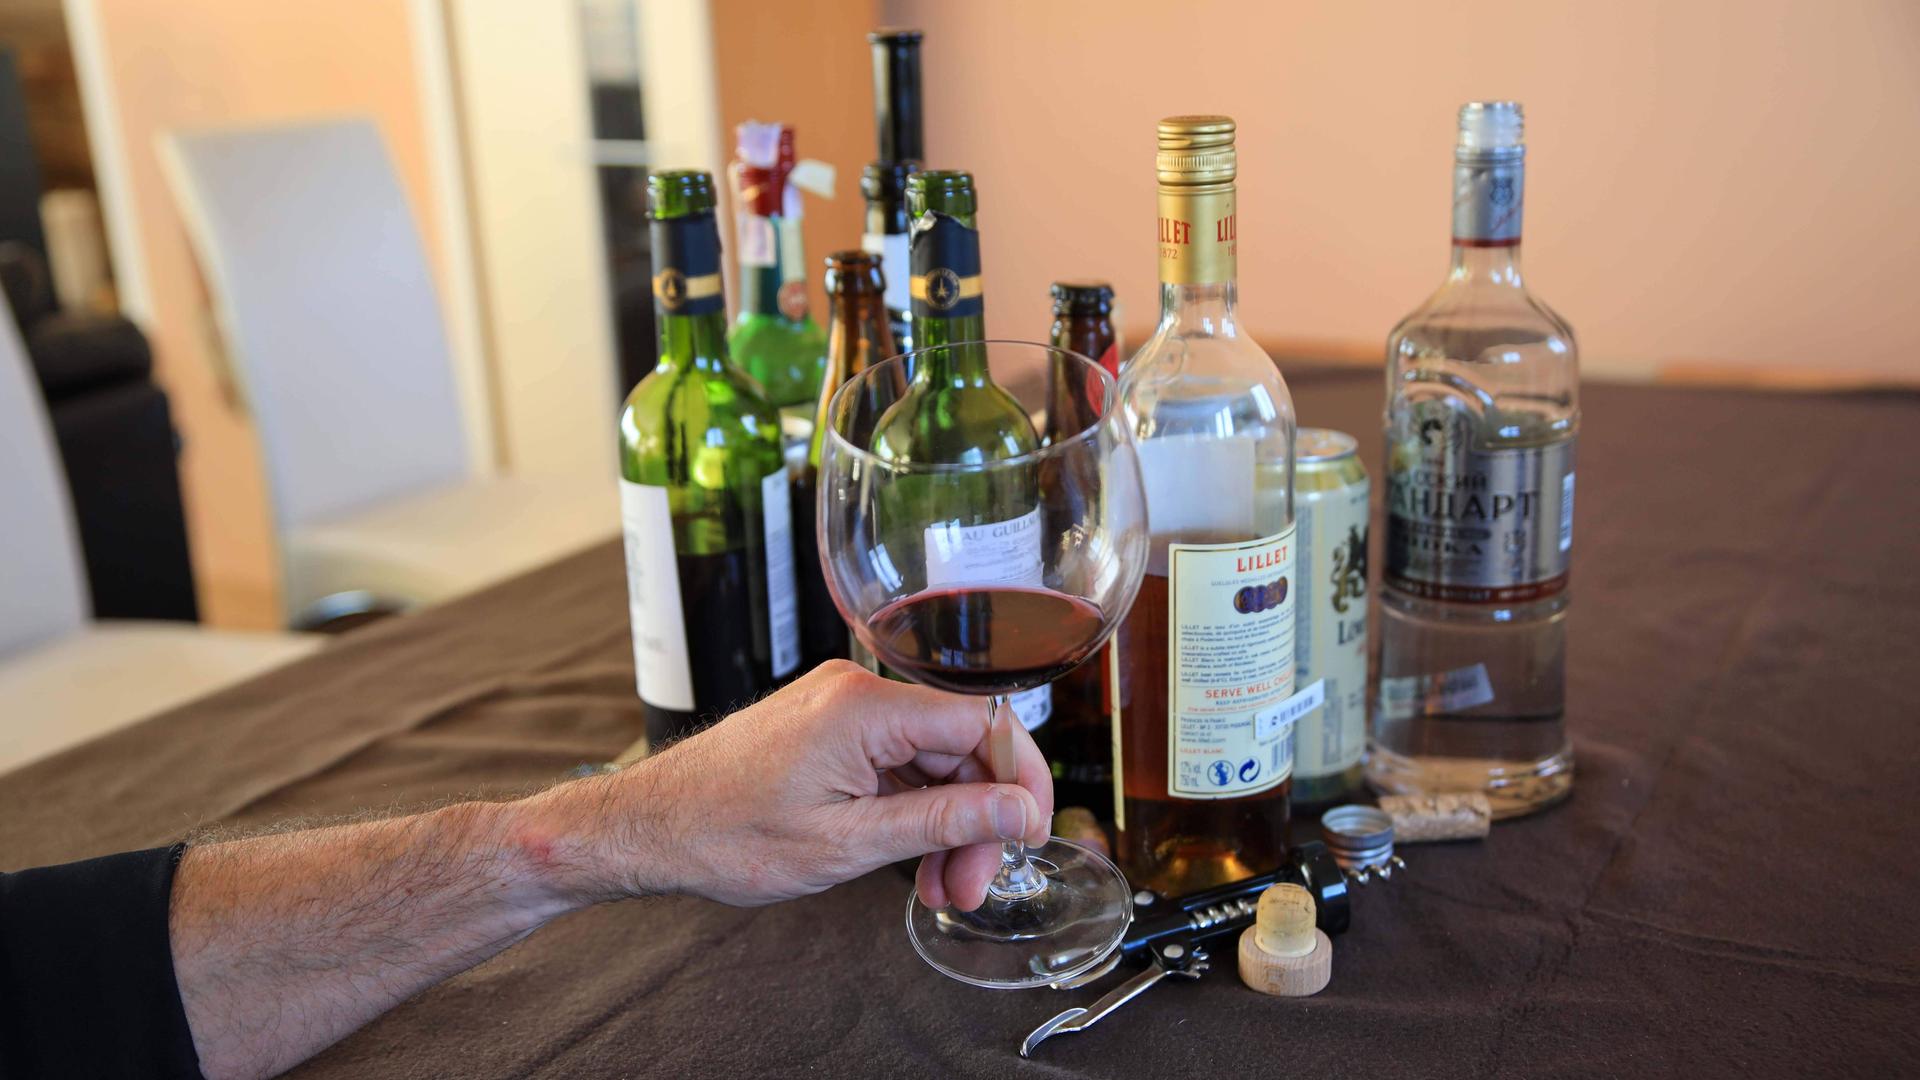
{"x": 1330, "y": 635}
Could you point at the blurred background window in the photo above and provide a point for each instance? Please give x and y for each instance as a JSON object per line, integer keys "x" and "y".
{"x": 611, "y": 29}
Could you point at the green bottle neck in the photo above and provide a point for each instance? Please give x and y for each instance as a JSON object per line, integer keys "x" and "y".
{"x": 759, "y": 291}
{"x": 761, "y": 285}
{"x": 694, "y": 343}
{"x": 689, "y": 302}
{"x": 958, "y": 367}
{"x": 948, "y": 305}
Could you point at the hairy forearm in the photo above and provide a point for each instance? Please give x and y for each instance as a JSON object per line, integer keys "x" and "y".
{"x": 284, "y": 944}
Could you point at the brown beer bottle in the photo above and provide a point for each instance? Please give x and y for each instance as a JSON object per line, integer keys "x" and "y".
{"x": 858, "y": 336}
{"x": 1078, "y": 739}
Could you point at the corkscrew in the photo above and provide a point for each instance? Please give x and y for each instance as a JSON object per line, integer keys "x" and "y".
{"x": 1170, "y": 933}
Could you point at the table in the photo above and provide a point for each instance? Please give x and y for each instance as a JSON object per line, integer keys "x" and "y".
{"x": 1730, "y": 890}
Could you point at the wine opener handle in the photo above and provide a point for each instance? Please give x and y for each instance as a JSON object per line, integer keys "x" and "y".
{"x": 1228, "y": 908}
{"x": 1170, "y": 958}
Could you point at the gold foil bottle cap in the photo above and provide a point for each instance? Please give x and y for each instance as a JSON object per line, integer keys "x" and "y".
{"x": 1196, "y": 151}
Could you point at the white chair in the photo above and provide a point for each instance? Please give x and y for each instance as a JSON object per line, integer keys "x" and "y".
{"x": 63, "y": 679}
{"x": 324, "y": 296}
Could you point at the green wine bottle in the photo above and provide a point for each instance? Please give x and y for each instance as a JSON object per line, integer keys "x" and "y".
{"x": 704, "y": 495}
{"x": 953, "y": 412}
{"x": 775, "y": 337}
{"x": 986, "y": 527}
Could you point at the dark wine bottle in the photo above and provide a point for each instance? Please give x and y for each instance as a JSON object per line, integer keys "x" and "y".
{"x": 704, "y": 493}
{"x": 896, "y": 114}
{"x": 1078, "y": 739}
{"x": 857, "y": 338}
{"x": 954, "y": 413}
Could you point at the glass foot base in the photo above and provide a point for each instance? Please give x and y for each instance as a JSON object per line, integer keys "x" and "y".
{"x": 1068, "y": 927}
{"x": 1513, "y": 788}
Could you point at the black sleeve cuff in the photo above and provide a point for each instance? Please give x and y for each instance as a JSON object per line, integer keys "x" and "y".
{"x": 86, "y": 970}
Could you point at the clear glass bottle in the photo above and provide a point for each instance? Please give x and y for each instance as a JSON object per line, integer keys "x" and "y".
{"x": 1482, "y": 413}
{"x": 1205, "y": 657}
{"x": 704, "y": 494}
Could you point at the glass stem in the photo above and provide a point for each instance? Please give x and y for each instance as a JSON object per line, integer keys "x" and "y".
{"x": 1017, "y": 879}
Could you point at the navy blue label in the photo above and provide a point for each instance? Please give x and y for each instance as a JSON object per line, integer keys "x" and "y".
{"x": 686, "y": 265}
{"x": 946, "y": 268}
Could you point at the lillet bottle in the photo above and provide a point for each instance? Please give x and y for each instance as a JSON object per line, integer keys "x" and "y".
{"x": 1481, "y": 418}
{"x": 1204, "y": 660}
{"x": 953, "y": 412}
{"x": 704, "y": 494}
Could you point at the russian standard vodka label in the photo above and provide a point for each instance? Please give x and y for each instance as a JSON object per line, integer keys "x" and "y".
{"x": 783, "y": 603}
{"x": 1471, "y": 524}
{"x": 995, "y": 553}
{"x": 653, "y": 598}
{"x": 1230, "y": 640}
{"x": 1332, "y": 627}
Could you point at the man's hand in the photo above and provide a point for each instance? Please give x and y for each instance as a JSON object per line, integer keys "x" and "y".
{"x": 284, "y": 944}
{"x": 837, "y": 774}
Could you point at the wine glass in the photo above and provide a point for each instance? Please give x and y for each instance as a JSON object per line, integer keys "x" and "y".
{"x": 982, "y": 529}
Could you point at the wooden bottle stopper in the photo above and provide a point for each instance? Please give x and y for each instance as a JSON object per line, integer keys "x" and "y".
{"x": 1283, "y": 953}
{"x": 1453, "y": 815}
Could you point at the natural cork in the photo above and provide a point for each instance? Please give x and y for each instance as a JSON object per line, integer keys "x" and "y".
{"x": 1459, "y": 815}
{"x": 1283, "y": 953}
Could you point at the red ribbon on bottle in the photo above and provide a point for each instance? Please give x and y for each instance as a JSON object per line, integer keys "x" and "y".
{"x": 764, "y": 188}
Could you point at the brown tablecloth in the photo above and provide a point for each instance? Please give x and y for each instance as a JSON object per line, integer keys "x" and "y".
{"x": 1730, "y": 890}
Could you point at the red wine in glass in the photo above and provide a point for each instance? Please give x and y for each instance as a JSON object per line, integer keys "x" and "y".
{"x": 989, "y": 639}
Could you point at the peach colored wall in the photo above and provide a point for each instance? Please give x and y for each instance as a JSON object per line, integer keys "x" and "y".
{"x": 192, "y": 63}
{"x": 1716, "y": 180}
{"x": 807, "y": 65}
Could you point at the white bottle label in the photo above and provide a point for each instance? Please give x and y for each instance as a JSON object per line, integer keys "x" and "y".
{"x": 996, "y": 553}
{"x": 1566, "y": 512}
{"x": 1034, "y": 707}
{"x": 892, "y": 249}
{"x": 1230, "y": 666}
{"x": 756, "y": 237}
{"x": 653, "y": 598}
{"x": 1198, "y": 484}
{"x": 783, "y": 603}
{"x": 1407, "y": 696}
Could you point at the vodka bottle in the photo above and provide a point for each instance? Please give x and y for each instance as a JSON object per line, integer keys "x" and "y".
{"x": 1482, "y": 413}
